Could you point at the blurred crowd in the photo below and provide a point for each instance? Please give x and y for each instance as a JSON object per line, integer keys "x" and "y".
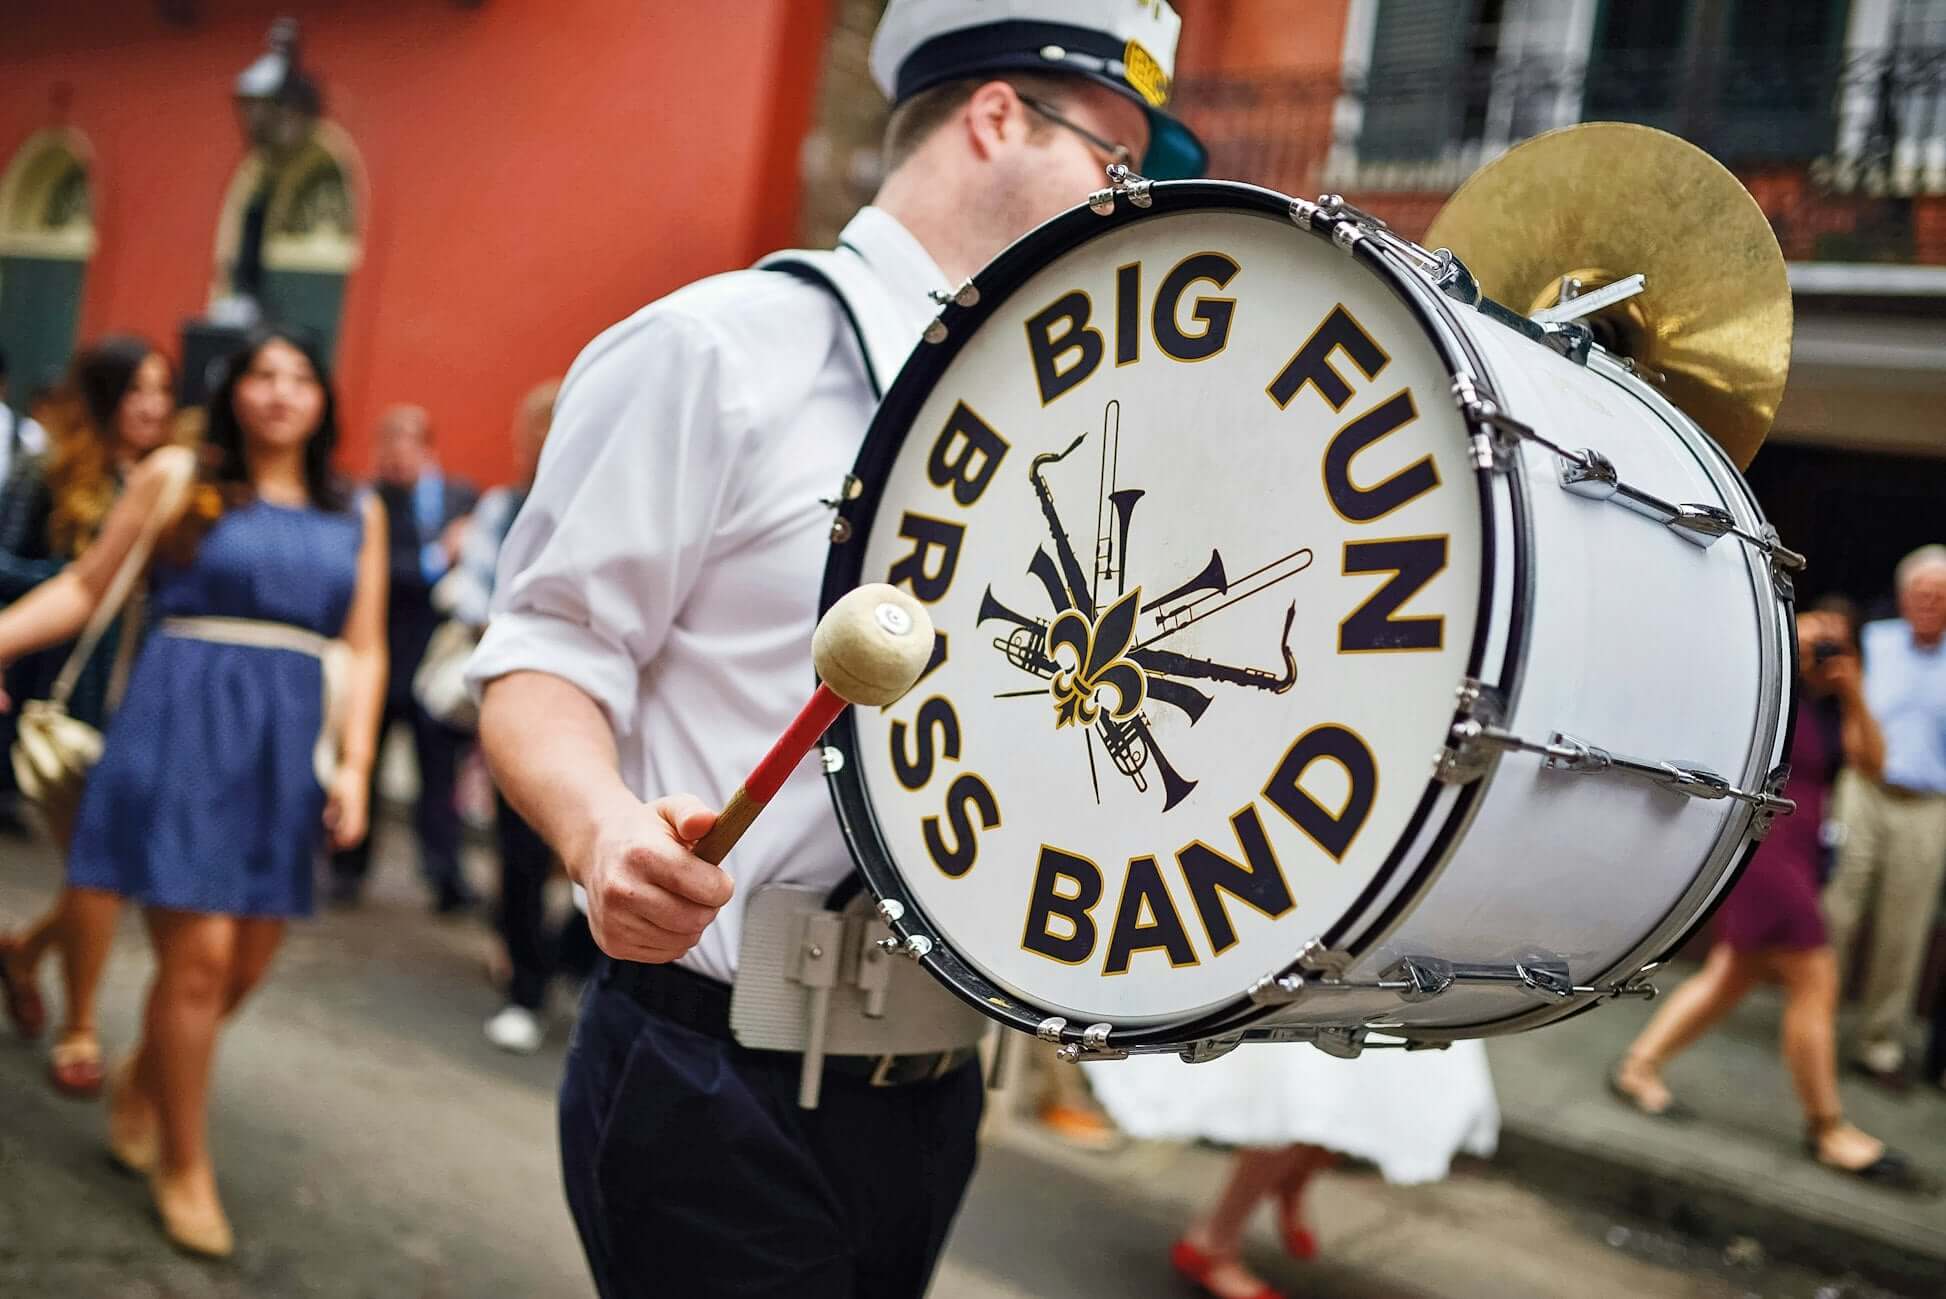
{"x": 1844, "y": 898}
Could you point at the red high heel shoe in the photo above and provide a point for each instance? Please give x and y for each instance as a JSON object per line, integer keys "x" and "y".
{"x": 1195, "y": 1266}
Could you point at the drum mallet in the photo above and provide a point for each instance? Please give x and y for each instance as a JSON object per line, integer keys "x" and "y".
{"x": 868, "y": 649}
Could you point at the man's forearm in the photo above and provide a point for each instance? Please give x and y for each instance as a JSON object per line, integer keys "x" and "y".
{"x": 552, "y": 754}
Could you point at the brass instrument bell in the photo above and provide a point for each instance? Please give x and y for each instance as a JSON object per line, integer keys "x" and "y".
{"x": 1587, "y": 205}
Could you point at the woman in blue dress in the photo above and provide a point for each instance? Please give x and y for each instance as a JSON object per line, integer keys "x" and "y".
{"x": 211, "y": 801}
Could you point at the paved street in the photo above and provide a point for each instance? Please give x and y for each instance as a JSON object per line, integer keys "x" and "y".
{"x": 371, "y": 1145}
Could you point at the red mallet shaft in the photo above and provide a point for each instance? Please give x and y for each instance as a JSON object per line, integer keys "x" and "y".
{"x": 869, "y": 648}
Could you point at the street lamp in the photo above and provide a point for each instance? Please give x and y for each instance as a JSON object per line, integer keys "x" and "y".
{"x": 277, "y": 104}
{"x": 277, "y": 108}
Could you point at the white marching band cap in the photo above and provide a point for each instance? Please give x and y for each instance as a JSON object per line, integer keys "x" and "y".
{"x": 1128, "y": 46}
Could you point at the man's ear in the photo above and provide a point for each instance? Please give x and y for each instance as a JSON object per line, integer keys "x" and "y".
{"x": 993, "y": 117}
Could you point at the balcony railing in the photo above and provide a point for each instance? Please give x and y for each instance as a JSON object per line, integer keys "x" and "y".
{"x": 1847, "y": 155}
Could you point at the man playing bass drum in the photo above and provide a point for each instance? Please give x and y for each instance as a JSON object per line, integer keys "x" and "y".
{"x": 655, "y": 606}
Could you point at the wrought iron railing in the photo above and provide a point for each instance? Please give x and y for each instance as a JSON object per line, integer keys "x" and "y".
{"x": 1846, "y": 154}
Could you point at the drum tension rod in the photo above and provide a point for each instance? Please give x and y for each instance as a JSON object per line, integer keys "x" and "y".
{"x": 1564, "y": 752}
{"x": 1589, "y": 473}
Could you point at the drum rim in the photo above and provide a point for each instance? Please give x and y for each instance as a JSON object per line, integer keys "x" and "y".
{"x": 995, "y": 284}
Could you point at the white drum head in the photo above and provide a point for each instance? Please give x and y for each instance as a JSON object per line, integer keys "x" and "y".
{"x": 1334, "y": 485}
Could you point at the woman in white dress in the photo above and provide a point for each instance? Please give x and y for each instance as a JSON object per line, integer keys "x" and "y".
{"x": 1291, "y": 1110}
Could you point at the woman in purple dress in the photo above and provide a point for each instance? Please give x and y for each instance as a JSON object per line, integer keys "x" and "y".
{"x": 1770, "y": 926}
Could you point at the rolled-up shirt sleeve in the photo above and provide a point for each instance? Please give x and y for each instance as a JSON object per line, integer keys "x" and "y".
{"x": 610, "y": 541}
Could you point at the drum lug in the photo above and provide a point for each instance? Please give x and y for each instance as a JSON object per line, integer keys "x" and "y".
{"x": 1210, "y": 1048}
{"x": 1092, "y": 1046}
{"x": 847, "y": 491}
{"x": 1592, "y": 476}
{"x": 1319, "y": 961}
{"x": 1049, "y": 1029}
{"x": 1418, "y": 978}
{"x": 1767, "y": 811}
{"x": 1344, "y": 1043}
{"x": 1277, "y": 990}
{"x": 1453, "y": 279}
{"x": 966, "y": 295}
{"x": 1467, "y": 755}
{"x": 1496, "y": 434}
{"x": 1122, "y": 183}
{"x": 1571, "y": 340}
{"x": 1783, "y": 562}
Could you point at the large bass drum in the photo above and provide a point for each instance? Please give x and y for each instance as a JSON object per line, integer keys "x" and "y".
{"x": 1320, "y": 650}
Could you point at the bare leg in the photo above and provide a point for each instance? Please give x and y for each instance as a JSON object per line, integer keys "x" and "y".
{"x": 1306, "y": 1163}
{"x": 195, "y": 967}
{"x": 257, "y": 941}
{"x": 1254, "y": 1174}
{"x": 32, "y": 943}
{"x": 134, "y": 1114}
{"x": 1691, "y": 1010}
{"x": 88, "y": 919}
{"x": 1810, "y": 980}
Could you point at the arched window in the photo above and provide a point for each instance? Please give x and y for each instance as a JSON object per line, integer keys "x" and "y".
{"x": 311, "y": 232}
{"x": 47, "y": 235}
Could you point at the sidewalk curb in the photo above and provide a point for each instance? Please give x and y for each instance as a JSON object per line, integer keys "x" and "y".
{"x": 1712, "y": 1206}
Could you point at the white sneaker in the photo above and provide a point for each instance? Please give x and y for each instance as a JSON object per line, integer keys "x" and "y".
{"x": 516, "y": 1029}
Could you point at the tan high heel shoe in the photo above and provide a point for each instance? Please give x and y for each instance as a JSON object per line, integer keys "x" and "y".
{"x": 134, "y": 1135}
{"x": 200, "y": 1229}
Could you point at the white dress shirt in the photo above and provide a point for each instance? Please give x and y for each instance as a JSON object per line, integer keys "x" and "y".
{"x": 668, "y": 559}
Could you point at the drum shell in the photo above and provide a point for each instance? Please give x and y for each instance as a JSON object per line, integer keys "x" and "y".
{"x": 1603, "y": 872}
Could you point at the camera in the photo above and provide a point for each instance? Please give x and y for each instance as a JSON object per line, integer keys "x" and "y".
{"x": 1823, "y": 651}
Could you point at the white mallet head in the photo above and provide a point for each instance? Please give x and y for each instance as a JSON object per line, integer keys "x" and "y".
{"x": 872, "y": 644}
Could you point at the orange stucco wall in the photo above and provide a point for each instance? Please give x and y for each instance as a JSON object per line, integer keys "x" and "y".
{"x": 533, "y": 171}
{"x": 1306, "y": 36}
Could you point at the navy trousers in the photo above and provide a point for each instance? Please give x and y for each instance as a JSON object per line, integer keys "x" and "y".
{"x": 692, "y": 1173}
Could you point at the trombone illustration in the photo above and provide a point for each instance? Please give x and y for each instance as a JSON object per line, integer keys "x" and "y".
{"x": 1130, "y": 744}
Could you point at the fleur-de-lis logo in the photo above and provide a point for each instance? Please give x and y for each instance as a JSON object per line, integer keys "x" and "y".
{"x": 1092, "y": 658}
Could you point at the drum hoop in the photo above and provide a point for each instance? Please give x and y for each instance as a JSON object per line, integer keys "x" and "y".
{"x": 893, "y": 421}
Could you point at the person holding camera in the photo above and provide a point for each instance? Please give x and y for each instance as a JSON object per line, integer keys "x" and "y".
{"x": 1770, "y": 926}
{"x": 1892, "y": 856}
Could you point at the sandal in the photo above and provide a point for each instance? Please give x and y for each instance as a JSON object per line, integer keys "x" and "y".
{"x": 74, "y": 1067}
{"x": 23, "y": 1000}
{"x": 1195, "y": 1266}
{"x": 1674, "y": 1112}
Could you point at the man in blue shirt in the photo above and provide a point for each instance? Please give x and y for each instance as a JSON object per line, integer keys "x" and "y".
{"x": 1893, "y": 855}
{"x": 424, "y": 510}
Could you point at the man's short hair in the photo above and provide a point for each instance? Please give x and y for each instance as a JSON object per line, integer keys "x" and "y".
{"x": 3, "y": 365}
{"x": 1930, "y": 556}
{"x": 913, "y": 122}
{"x": 406, "y": 413}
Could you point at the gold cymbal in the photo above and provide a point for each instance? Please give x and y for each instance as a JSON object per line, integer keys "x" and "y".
{"x": 1605, "y": 200}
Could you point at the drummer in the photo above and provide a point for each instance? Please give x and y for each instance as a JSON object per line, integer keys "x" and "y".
{"x": 652, "y": 637}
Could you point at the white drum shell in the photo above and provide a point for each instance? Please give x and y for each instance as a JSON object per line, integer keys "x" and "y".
{"x": 1636, "y": 640}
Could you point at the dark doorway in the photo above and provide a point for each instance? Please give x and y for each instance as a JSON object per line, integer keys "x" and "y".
{"x": 1854, "y": 514}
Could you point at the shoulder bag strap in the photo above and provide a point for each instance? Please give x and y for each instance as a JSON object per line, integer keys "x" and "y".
{"x": 125, "y": 577}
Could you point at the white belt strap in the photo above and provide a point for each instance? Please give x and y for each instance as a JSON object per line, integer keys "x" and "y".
{"x": 262, "y": 634}
{"x": 248, "y": 631}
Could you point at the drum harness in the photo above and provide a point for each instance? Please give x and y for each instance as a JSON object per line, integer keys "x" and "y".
{"x": 815, "y": 973}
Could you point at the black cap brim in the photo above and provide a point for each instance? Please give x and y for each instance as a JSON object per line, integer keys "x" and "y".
{"x": 999, "y": 48}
